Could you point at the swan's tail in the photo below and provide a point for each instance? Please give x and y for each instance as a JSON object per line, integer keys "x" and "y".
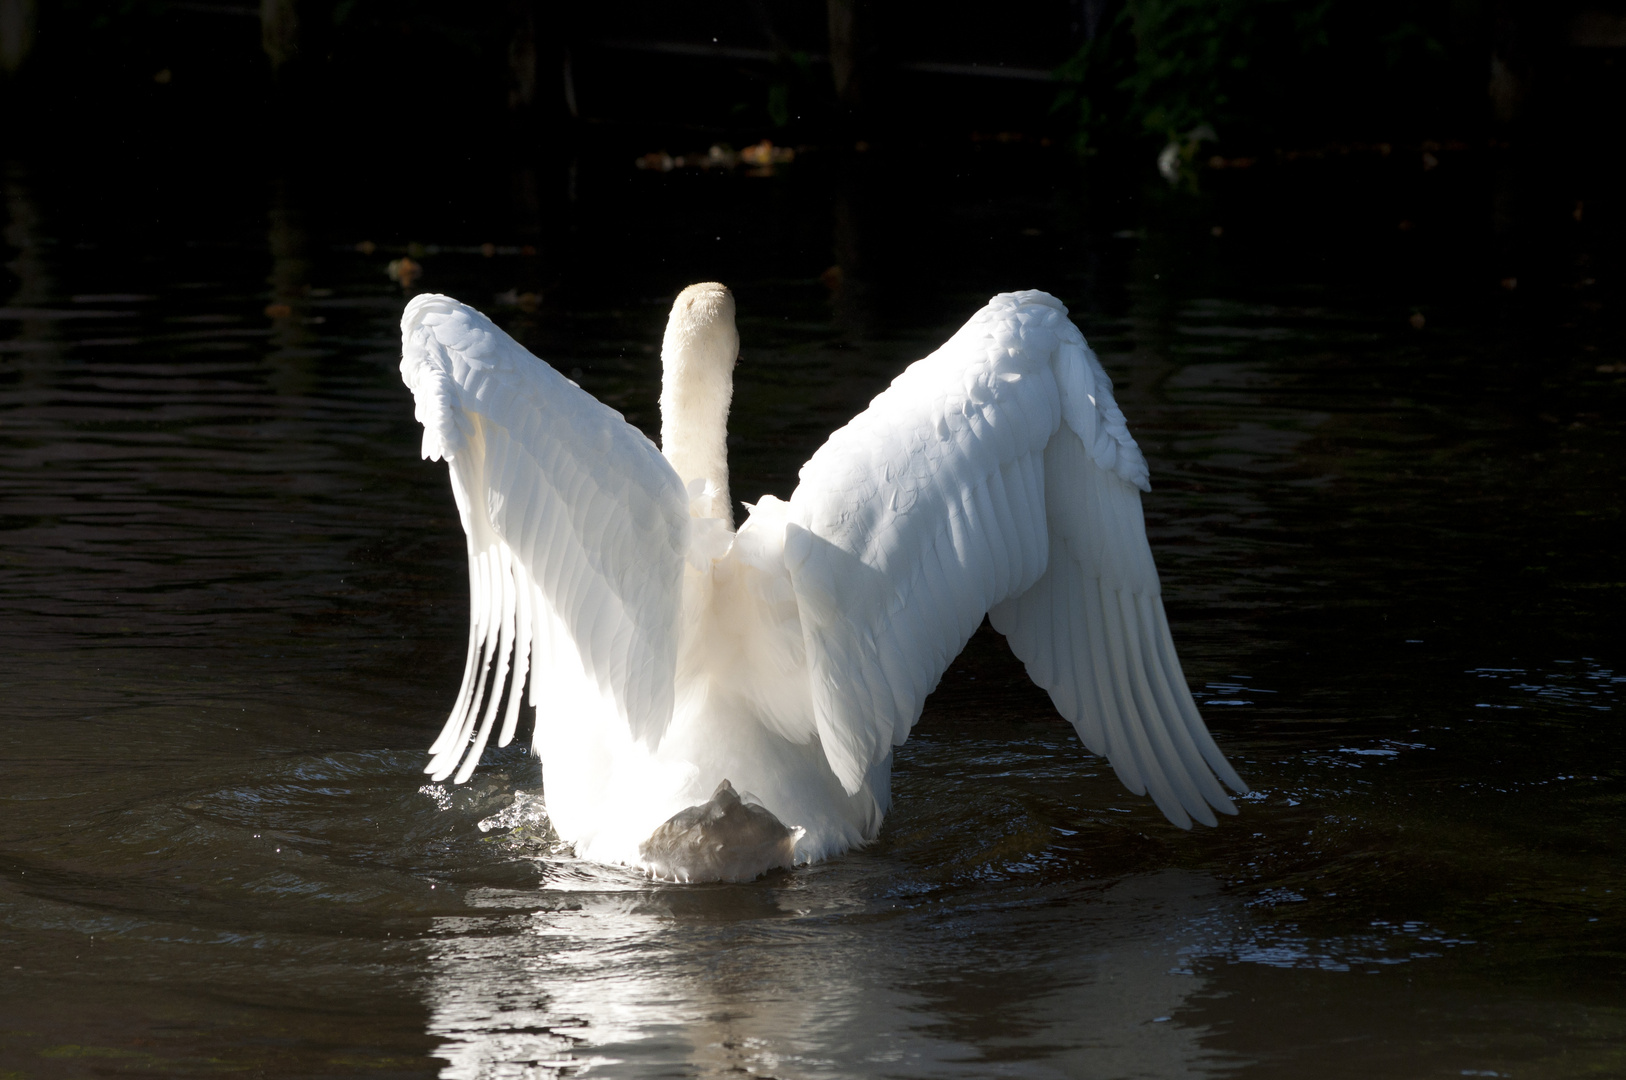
{"x": 723, "y": 839}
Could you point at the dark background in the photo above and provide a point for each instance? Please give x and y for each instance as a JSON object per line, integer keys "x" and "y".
{"x": 502, "y": 113}
{"x": 522, "y": 78}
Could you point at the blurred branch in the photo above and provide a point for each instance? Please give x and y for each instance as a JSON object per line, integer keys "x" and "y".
{"x": 16, "y": 33}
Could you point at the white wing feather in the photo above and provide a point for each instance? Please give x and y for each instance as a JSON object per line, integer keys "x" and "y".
{"x": 577, "y": 531}
{"x": 997, "y": 475}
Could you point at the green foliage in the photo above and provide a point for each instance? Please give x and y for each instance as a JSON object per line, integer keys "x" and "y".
{"x": 792, "y": 80}
{"x": 1256, "y": 69}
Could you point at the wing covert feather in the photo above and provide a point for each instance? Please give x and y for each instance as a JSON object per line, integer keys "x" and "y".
{"x": 577, "y": 529}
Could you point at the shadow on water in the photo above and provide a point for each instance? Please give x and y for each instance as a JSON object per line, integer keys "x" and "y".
{"x": 1386, "y": 510}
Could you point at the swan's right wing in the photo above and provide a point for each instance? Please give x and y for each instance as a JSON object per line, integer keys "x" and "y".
{"x": 577, "y": 530}
{"x": 996, "y": 475}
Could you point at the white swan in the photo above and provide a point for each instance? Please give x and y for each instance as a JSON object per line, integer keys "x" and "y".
{"x": 674, "y": 662}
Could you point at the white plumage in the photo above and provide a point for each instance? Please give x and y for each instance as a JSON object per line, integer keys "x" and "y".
{"x": 666, "y": 653}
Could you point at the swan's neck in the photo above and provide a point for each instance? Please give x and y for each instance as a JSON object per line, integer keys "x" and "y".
{"x": 697, "y": 382}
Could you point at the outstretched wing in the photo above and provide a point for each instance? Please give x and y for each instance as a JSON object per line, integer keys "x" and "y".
{"x": 995, "y": 476}
{"x": 577, "y": 531}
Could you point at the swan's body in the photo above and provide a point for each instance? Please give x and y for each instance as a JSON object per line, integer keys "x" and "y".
{"x": 666, "y": 653}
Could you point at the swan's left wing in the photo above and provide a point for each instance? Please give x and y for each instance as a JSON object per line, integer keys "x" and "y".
{"x": 577, "y": 529}
{"x": 995, "y": 474}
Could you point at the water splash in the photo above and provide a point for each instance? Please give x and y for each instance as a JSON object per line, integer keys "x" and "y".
{"x": 528, "y": 826}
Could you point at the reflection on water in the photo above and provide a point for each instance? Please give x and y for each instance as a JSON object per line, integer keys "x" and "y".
{"x": 819, "y": 978}
{"x": 232, "y": 600}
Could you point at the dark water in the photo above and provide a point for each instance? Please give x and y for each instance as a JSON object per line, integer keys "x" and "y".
{"x": 232, "y": 605}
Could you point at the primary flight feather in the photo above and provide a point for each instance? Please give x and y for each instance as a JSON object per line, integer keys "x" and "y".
{"x": 712, "y": 703}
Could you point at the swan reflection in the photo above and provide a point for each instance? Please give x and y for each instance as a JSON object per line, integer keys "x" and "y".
{"x": 832, "y": 972}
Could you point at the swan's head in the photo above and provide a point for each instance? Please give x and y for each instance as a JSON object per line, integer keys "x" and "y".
{"x": 701, "y": 341}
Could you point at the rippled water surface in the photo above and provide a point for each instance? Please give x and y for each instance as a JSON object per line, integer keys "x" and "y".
{"x": 232, "y": 600}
